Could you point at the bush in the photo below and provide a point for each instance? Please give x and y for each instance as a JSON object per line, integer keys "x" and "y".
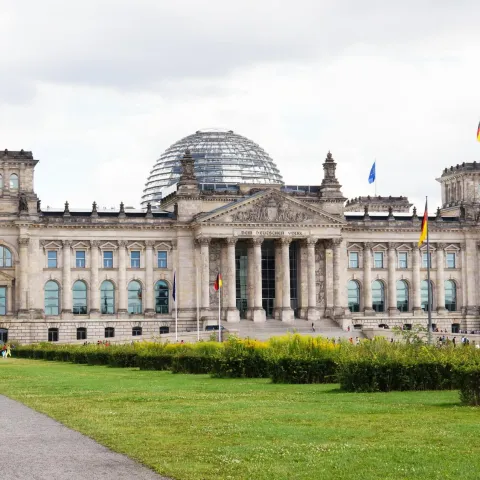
{"x": 154, "y": 361}
{"x": 193, "y": 363}
{"x": 468, "y": 381}
{"x": 303, "y": 370}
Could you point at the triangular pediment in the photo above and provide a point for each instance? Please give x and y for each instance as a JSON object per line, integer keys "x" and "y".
{"x": 403, "y": 247}
{"x": 81, "y": 245}
{"x": 5, "y": 278}
{"x": 51, "y": 245}
{"x": 270, "y": 207}
{"x": 135, "y": 246}
{"x": 108, "y": 246}
{"x": 163, "y": 246}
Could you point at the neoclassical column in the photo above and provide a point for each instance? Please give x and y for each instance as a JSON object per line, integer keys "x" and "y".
{"x": 258, "y": 311}
{"x": 367, "y": 278}
{"x": 463, "y": 248}
{"x": 313, "y": 313}
{"x": 417, "y": 307}
{"x": 149, "y": 297}
{"x": 250, "y": 281}
{"x": 10, "y": 305}
{"x": 23, "y": 243}
{"x": 277, "y": 311}
{"x": 66, "y": 277}
{"x": 338, "y": 308}
{"x": 94, "y": 287}
{"x": 205, "y": 271}
{"x": 233, "y": 315}
{"x": 287, "y": 314}
{"x": 440, "y": 290}
{"x": 471, "y": 264}
{"x": 392, "y": 284}
{"x": 122, "y": 278}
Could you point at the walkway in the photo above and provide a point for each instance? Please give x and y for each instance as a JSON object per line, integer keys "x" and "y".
{"x": 35, "y": 447}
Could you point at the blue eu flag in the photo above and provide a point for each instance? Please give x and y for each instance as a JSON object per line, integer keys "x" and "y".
{"x": 371, "y": 177}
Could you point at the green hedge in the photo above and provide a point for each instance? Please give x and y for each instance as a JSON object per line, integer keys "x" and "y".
{"x": 193, "y": 363}
{"x": 303, "y": 370}
{"x": 154, "y": 361}
{"x": 468, "y": 381}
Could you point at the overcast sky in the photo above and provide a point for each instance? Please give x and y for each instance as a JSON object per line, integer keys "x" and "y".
{"x": 98, "y": 89}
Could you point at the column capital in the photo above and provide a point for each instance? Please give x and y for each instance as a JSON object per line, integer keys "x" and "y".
{"x": 66, "y": 243}
{"x": 336, "y": 242}
{"x": 23, "y": 241}
{"x": 174, "y": 244}
{"x": 95, "y": 243}
{"x": 441, "y": 246}
{"x": 122, "y": 243}
{"x": 257, "y": 240}
{"x": 392, "y": 245}
{"x": 285, "y": 241}
{"x": 415, "y": 246}
{"x": 311, "y": 241}
{"x": 204, "y": 240}
{"x": 149, "y": 243}
{"x": 231, "y": 240}
{"x": 367, "y": 245}
{"x": 463, "y": 246}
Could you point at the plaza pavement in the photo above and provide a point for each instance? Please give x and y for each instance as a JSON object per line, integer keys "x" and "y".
{"x": 35, "y": 447}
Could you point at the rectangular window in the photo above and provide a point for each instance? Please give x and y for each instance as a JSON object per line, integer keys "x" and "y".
{"x": 353, "y": 260}
{"x": 52, "y": 258}
{"x": 162, "y": 259}
{"x": 402, "y": 260}
{"x": 135, "y": 259}
{"x": 53, "y": 334}
{"x": 80, "y": 259}
{"x": 451, "y": 260}
{"x": 424, "y": 260}
{"x": 108, "y": 259}
{"x": 378, "y": 259}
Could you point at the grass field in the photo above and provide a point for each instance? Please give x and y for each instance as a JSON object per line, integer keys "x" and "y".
{"x": 195, "y": 427}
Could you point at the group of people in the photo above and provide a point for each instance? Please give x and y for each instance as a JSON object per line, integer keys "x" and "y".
{"x": 6, "y": 350}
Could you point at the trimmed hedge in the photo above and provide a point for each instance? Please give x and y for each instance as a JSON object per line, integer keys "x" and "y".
{"x": 303, "y": 370}
{"x": 154, "y": 361}
{"x": 468, "y": 381}
{"x": 193, "y": 363}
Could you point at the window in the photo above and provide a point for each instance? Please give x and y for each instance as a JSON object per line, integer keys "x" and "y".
{"x": 378, "y": 259}
{"x": 79, "y": 298}
{"x": 424, "y": 260}
{"x": 108, "y": 259}
{"x": 134, "y": 297}
{"x": 162, "y": 259}
{"x": 353, "y": 260}
{"x": 4, "y": 335}
{"x": 81, "y": 333}
{"x": 451, "y": 260}
{"x": 1, "y": 181}
{"x": 5, "y": 257}
{"x": 424, "y": 295}
{"x": 52, "y": 298}
{"x": 402, "y": 296}
{"x": 161, "y": 297}
{"x": 407, "y": 326}
{"x": 80, "y": 259}
{"x": 3, "y": 300}
{"x": 53, "y": 334}
{"x": 13, "y": 181}
{"x": 455, "y": 328}
{"x": 164, "y": 330}
{"x": 378, "y": 296}
{"x": 450, "y": 296}
{"x": 109, "y": 332}
{"x": 353, "y": 296}
{"x": 136, "y": 331}
{"x": 402, "y": 260}
{"x": 107, "y": 297}
{"x": 135, "y": 259}
{"x": 52, "y": 259}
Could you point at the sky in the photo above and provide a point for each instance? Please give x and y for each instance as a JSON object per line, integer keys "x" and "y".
{"x": 98, "y": 89}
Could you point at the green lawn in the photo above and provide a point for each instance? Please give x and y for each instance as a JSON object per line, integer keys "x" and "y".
{"x": 195, "y": 427}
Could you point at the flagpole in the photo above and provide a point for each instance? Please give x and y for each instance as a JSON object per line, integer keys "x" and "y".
{"x": 198, "y": 308}
{"x": 219, "y": 323}
{"x": 375, "y": 182}
{"x": 175, "y": 300}
{"x": 429, "y": 288}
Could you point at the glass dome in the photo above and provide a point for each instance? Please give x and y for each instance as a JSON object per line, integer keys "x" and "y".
{"x": 222, "y": 159}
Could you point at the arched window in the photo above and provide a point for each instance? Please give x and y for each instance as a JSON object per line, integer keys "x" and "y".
{"x": 378, "y": 296}
{"x": 5, "y": 257}
{"x": 136, "y": 331}
{"x": 450, "y": 296}
{"x": 353, "y": 296}
{"x": 79, "y": 298}
{"x": 402, "y": 296}
{"x": 134, "y": 297}
{"x": 161, "y": 297}
{"x": 424, "y": 295}
{"x": 107, "y": 297}
{"x": 52, "y": 298}
{"x": 13, "y": 181}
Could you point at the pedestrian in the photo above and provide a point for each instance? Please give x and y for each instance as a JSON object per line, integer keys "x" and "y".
{"x": 9, "y": 352}
{"x": 313, "y": 327}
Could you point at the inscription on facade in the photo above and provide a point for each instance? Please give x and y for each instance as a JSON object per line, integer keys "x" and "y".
{"x": 270, "y": 233}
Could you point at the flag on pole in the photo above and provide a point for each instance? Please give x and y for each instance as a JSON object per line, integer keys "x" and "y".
{"x": 174, "y": 289}
{"x": 478, "y": 132}
{"x": 371, "y": 177}
{"x": 218, "y": 282}
{"x": 424, "y": 229}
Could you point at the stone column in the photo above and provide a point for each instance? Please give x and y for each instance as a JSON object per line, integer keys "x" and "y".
{"x": 233, "y": 315}
{"x": 338, "y": 308}
{"x": 9, "y": 309}
{"x": 258, "y": 311}
{"x": 312, "y": 313}
{"x": 250, "y": 280}
{"x": 470, "y": 266}
{"x": 328, "y": 288}
{"x": 287, "y": 314}
{"x": 392, "y": 284}
{"x": 149, "y": 295}
{"x": 367, "y": 279}
{"x": 66, "y": 278}
{"x": 441, "y": 310}
{"x": 417, "y": 307}
{"x": 23, "y": 243}
{"x": 205, "y": 274}
{"x": 94, "y": 287}
{"x": 277, "y": 311}
{"x": 122, "y": 279}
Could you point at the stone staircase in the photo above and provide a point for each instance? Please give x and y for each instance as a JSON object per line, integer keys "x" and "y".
{"x": 272, "y": 328}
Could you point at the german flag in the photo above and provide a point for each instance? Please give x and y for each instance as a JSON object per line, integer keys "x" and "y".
{"x": 478, "y": 132}
{"x": 424, "y": 230}
{"x": 218, "y": 282}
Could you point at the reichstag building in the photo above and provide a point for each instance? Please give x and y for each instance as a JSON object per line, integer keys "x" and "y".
{"x": 216, "y": 202}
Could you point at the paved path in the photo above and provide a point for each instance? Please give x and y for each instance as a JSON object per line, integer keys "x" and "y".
{"x": 35, "y": 447}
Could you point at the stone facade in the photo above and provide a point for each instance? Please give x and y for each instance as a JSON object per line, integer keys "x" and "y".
{"x": 74, "y": 276}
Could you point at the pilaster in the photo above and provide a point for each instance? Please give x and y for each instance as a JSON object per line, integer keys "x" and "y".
{"x": 258, "y": 311}
{"x": 122, "y": 279}
{"x": 66, "y": 280}
{"x": 149, "y": 291}
{"x": 367, "y": 279}
{"x": 287, "y": 314}
{"x": 313, "y": 313}
{"x": 94, "y": 287}
{"x": 392, "y": 287}
{"x": 440, "y": 253}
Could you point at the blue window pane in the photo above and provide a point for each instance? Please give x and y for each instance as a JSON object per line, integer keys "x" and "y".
{"x": 80, "y": 259}
{"x": 52, "y": 259}
{"x": 162, "y": 259}
{"x": 107, "y": 259}
{"x": 135, "y": 259}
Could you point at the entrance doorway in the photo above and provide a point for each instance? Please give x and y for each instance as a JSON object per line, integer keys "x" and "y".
{"x": 3, "y": 300}
{"x": 268, "y": 277}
